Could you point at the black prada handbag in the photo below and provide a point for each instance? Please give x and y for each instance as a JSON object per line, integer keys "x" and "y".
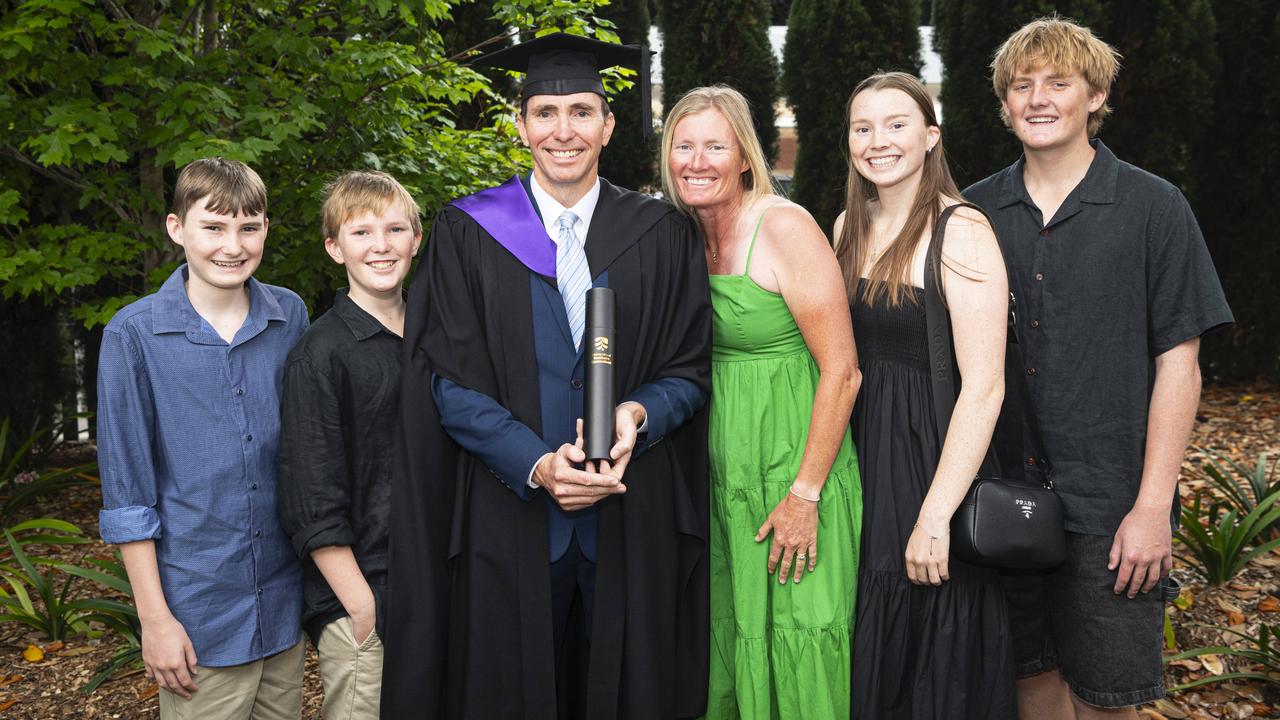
{"x": 1001, "y": 522}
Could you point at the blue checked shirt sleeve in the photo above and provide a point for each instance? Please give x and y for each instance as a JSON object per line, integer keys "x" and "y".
{"x": 126, "y": 418}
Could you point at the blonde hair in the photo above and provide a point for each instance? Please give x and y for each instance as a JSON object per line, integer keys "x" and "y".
{"x": 1061, "y": 44}
{"x": 362, "y": 191}
{"x": 231, "y": 186}
{"x": 889, "y": 275}
{"x": 737, "y": 112}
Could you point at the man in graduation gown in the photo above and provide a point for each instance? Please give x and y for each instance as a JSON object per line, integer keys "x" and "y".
{"x": 524, "y": 583}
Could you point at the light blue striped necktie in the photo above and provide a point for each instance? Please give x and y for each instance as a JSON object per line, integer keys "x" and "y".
{"x": 573, "y": 275}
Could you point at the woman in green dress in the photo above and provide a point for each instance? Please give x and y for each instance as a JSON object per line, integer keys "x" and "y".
{"x": 784, "y": 478}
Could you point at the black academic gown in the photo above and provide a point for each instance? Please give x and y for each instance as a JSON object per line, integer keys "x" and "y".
{"x": 468, "y": 620}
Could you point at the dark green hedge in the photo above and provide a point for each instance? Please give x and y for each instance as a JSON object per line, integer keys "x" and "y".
{"x": 831, "y": 46}
{"x": 705, "y": 42}
{"x": 630, "y": 158}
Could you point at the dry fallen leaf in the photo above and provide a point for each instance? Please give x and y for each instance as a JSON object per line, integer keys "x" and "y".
{"x": 54, "y": 646}
{"x": 1149, "y": 714}
{"x": 1215, "y": 697}
{"x": 1188, "y": 663}
{"x": 151, "y": 691}
{"x": 9, "y": 680}
{"x": 7, "y": 704}
{"x": 33, "y": 654}
{"x": 1235, "y": 618}
{"x": 82, "y": 650}
{"x": 1251, "y": 692}
{"x": 1170, "y": 710}
{"x": 1239, "y": 712}
{"x": 1213, "y": 664}
{"x": 1269, "y": 604}
{"x": 1228, "y": 607}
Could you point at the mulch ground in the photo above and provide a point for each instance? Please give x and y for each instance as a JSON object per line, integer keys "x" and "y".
{"x": 1239, "y": 422}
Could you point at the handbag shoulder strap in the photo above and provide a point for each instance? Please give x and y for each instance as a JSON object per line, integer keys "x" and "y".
{"x": 943, "y": 373}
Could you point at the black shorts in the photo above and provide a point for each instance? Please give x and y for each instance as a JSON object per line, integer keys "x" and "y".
{"x": 1106, "y": 646}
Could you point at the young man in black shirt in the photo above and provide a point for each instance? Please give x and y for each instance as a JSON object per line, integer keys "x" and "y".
{"x": 1115, "y": 288}
{"x": 340, "y": 412}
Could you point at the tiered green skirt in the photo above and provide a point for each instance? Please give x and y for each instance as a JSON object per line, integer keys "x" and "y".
{"x": 777, "y": 651}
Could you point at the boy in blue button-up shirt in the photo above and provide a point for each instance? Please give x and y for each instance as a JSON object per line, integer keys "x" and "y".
{"x": 188, "y": 418}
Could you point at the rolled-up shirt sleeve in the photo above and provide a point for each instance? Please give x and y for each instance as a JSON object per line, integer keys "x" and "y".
{"x": 313, "y": 486}
{"x": 126, "y": 425}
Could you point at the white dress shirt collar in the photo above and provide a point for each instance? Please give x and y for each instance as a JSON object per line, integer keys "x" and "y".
{"x": 551, "y": 209}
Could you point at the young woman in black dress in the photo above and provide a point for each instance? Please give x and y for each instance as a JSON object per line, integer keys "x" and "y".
{"x": 931, "y": 637}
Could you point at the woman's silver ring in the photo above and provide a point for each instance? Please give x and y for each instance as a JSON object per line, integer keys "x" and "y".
{"x": 801, "y": 556}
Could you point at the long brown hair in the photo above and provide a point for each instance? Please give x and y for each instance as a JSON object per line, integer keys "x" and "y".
{"x": 890, "y": 274}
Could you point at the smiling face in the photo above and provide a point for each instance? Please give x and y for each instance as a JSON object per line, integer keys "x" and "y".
{"x": 222, "y": 251}
{"x": 888, "y": 136}
{"x": 377, "y": 248}
{"x": 1048, "y": 109}
{"x": 566, "y": 134}
{"x": 705, "y": 161}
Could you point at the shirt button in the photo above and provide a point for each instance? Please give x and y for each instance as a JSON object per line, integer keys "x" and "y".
{"x": 253, "y": 486}
{"x": 257, "y": 533}
{"x": 1044, "y": 232}
{"x": 239, "y": 391}
{"x": 1039, "y": 276}
{"x": 576, "y": 384}
{"x": 1035, "y": 323}
{"x": 1031, "y": 460}
{"x": 248, "y": 438}
{"x": 1031, "y": 371}
{"x": 259, "y": 591}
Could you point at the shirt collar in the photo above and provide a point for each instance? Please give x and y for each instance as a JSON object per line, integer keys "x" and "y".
{"x": 551, "y": 209}
{"x": 361, "y": 324}
{"x": 1098, "y": 186}
{"x": 172, "y": 310}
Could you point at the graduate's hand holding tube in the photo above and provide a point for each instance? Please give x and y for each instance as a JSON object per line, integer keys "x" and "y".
{"x": 571, "y": 488}
{"x": 627, "y": 419}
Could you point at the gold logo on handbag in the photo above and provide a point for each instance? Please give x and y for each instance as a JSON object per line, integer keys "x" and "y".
{"x": 602, "y": 344}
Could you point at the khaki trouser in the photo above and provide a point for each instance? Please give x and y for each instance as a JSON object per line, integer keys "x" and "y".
{"x": 351, "y": 672}
{"x": 266, "y": 689}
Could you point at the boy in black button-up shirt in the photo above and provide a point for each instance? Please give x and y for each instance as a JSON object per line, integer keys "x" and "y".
{"x": 337, "y": 441}
{"x": 1115, "y": 288}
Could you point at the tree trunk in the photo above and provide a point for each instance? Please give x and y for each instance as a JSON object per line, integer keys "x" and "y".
{"x": 209, "y": 22}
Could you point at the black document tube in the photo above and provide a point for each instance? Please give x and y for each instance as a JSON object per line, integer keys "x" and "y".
{"x": 599, "y": 335}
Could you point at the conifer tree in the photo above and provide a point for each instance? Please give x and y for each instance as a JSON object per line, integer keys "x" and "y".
{"x": 966, "y": 34}
{"x": 630, "y": 159}
{"x": 1164, "y": 94}
{"x": 831, "y": 46}
{"x": 705, "y": 42}
{"x": 1234, "y": 193}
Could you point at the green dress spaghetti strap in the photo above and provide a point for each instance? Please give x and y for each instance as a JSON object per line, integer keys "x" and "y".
{"x": 777, "y": 651}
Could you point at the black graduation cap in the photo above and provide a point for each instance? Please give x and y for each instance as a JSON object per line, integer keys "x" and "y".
{"x": 564, "y": 64}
